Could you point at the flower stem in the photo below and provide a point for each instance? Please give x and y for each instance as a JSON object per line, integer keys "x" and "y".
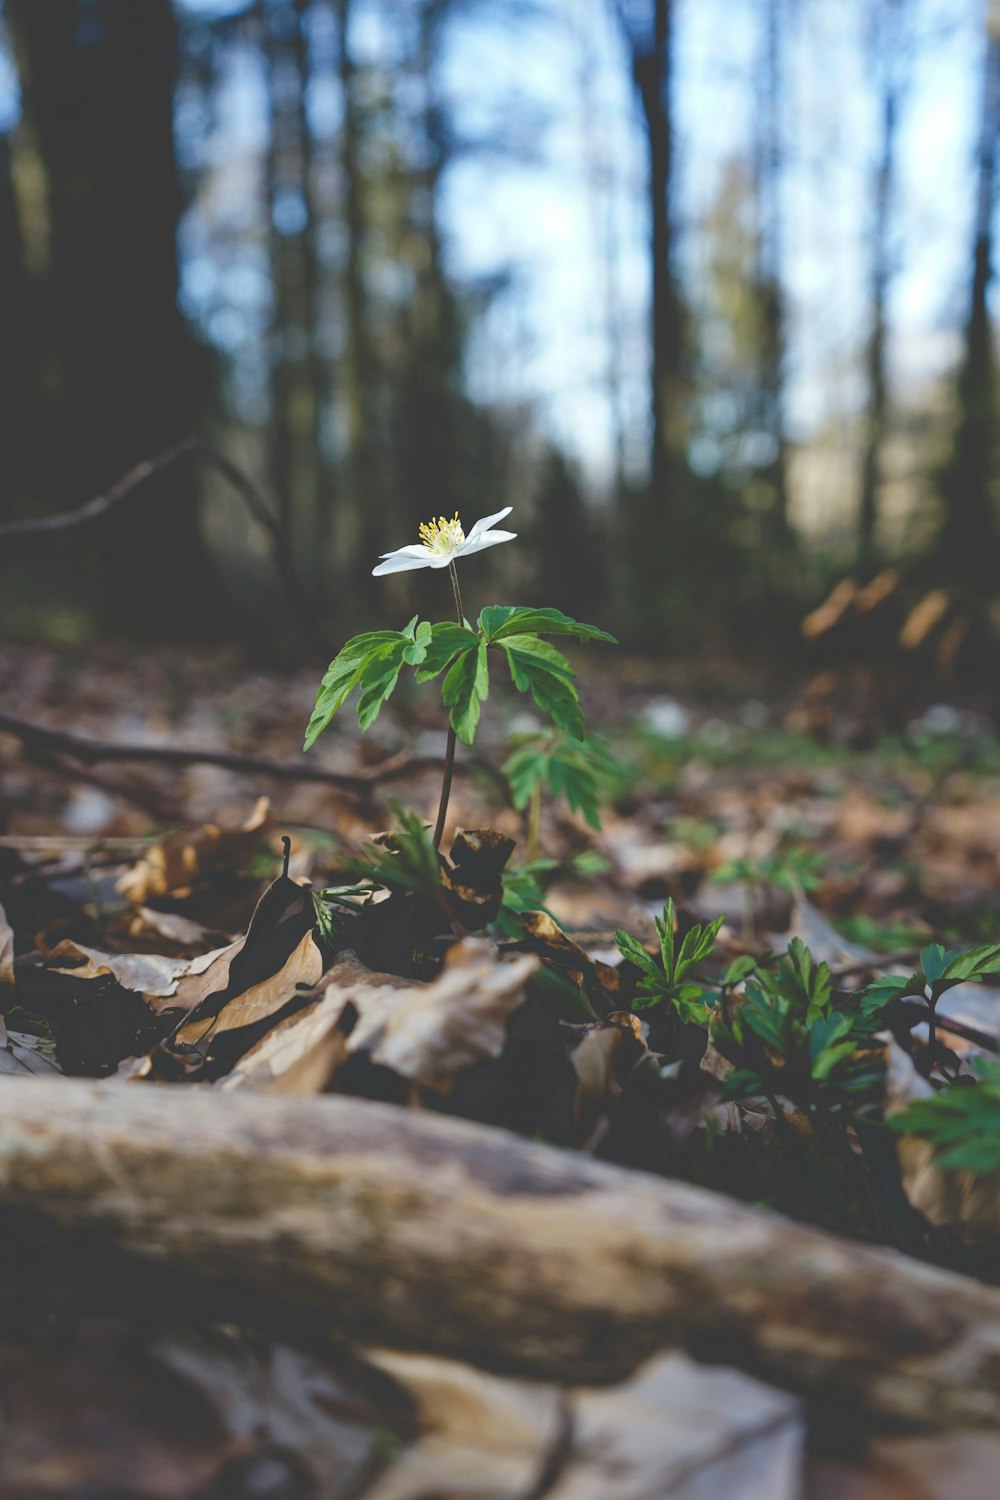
{"x": 534, "y": 822}
{"x": 449, "y": 754}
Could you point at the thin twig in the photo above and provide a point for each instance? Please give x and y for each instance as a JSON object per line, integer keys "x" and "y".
{"x": 449, "y": 755}
{"x": 190, "y": 448}
{"x": 39, "y": 737}
{"x": 86, "y": 515}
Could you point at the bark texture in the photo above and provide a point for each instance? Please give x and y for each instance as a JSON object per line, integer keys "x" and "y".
{"x": 420, "y": 1231}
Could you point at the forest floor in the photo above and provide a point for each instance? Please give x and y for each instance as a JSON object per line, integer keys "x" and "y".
{"x": 719, "y": 802}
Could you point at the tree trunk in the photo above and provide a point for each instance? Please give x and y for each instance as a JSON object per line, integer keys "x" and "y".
{"x": 656, "y": 512}
{"x": 416, "y": 1230}
{"x": 887, "y": 49}
{"x": 122, "y": 375}
{"x": 770, "y": 291}
{"x": 365, "y": 472}
{"x": 969, "y": 545}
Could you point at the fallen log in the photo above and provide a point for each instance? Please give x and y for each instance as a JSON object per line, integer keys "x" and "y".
{"x": 419, "y": 1231}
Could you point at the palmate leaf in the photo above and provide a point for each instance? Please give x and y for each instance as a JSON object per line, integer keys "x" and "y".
{"x": 447, "y": 640}
{"x": 540, "y": 669}
{"x": 962, "y": 1123}
{"x": 465, "y": 689}
{"x": 499, "y": 621}
{"x": 371, "y": 662}
{"x": 578, "y": 770}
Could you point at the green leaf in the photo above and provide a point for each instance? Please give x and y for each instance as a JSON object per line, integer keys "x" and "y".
{"x": 739, "y": 970}
{"x": 665, "y": 933}
{"x": 742, "y": 1083}
{"x": 973, "y": 963}
{"x": 882, "y": 992}
{"x": 552, "y": 690}
{"x": 411, "y": 863}
{"x": 962, "y": 1123}
{"x": 526, "y": 769}
{"x": 824, "y": 1034}
{"x": 464, "y": 690}
{"x": 581, "y": 771}
{"x": 636, "y": 954}
{"x": 413, "y": 655}
{"x": 697, "y": 945}
{"x": 521, "y": 647}
{"x": 498, "y": 621}
{"x": 933, "y": 962}
{"x": 447, "y": 639}
{"x": 370, "y": 661}
{"x": 767, "y": 1015}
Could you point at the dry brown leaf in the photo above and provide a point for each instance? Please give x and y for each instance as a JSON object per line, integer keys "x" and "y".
{"x": 150, "y": 974}
{"x": 175, "y": 864}
{"x": 283, "y": 916}
{"x": 279, "y": 1400}
{"x": 969, "y": 1204}
{"x": 682, "y": 1431}
{"x": 21, "y": 1054}
{"x": 483, "y": 1437}
{"x": 942, "y": 1466}
{"x": 157, "y": 929}
{"x": 600, "y": 983}
{"x": 299, "y": 1055}
{"x": 675, "y": 1431}
{"x": 6, "y": 951}
{"x": 431, "y": 1032}
{"x": 211, "y": 979}
{"x": 300, "y": 971}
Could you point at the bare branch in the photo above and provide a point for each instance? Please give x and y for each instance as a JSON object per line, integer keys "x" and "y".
{"x": 39, "y": 738}
{"x": 189, "y": 448}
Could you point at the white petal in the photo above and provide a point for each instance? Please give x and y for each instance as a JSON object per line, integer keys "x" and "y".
{"x": 485, "y": 539}
{"x": 417, "y": 549}
{"x": 398, "y": 562}
{"x": 486, "y": 523}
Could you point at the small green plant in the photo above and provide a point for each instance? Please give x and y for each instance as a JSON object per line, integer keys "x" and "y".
{"x": 584, "y": 772}
{"x": 457, "y": 652}
{"x": 791, "y": 1035}
{"x": 962, "y": 1122}
{"x": 670, "y": 982}
{"x": 525, "y": 886}
{"x": 793, "y": 869}
{"x": 940, "y": 970}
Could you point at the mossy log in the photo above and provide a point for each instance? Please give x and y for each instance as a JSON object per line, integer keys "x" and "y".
{"x": 418, "y": 1231}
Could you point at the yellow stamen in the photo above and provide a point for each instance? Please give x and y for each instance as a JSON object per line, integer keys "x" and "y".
{"x": 442, "y": 536}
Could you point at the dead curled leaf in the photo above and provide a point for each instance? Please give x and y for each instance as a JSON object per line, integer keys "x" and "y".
{"x": 150, "y": 974}
{"x": 599, "y": 983}
{"x": 430, "y": 1032}
{"x": 967, "y": 1204}
{"x": 178, "y": 862}
{"x": 6, "y": 951}
{"x": 425, "y": 1032}
{"x": 675, "y": 1431}
{"x": 260, "y": 973}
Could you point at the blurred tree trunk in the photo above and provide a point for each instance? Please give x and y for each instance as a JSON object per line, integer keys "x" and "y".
{"x": 886, "y": 48}
{"x": 652, "y": 68}
{"x": 365, "y": 474}
{"x": 969, "y": 547}
{"x": 769, "y": 289}
{"x": 427, "y": 456}
{"x": 654, "y": 514}
{"x": 18, "y": 373}
{"x": 121, "y": 377}
{"x": 299, "y": 375}
{"x": 601, "y": 191}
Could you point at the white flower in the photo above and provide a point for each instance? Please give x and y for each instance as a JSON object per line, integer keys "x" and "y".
{"x": 441, "y": 542}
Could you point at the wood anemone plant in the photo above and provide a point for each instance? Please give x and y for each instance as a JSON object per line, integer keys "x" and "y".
{"x": 457, "y": 651}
